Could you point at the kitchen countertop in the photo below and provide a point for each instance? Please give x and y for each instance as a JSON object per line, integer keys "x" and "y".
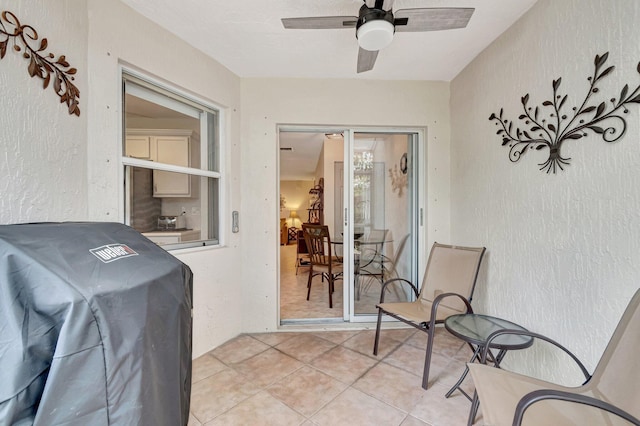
{"x": 173, "y": 236}
{"x": 169, "y": 232}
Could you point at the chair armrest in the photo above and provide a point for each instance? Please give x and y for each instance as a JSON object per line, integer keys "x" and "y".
{"x": 384, "y": 286}
{"x": 544, "y": 394}
{"x": 436, "y": 303}
{"x": 492, "y": 336}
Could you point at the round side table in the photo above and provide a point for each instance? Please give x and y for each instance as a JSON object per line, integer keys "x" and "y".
{"x": 474, "y": 329}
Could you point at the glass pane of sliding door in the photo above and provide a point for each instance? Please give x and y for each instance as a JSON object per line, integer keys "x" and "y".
{"x": 384, "y": 220}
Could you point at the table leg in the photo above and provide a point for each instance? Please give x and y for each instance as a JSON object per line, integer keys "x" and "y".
{"x": 476, "y": 355}
{"x": 475, "y": 402}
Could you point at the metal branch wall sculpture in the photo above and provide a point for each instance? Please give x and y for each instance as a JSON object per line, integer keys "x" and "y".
{"x": 47, "y": 67}
{"x": 558, "y": 127}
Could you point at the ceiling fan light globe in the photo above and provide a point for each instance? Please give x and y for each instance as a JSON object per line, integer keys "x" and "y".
{"x": 375, "y": 35}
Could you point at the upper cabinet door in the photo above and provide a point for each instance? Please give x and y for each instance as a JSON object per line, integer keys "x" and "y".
{"x": 172, "y": 150}
{"x": 138, "y": 147}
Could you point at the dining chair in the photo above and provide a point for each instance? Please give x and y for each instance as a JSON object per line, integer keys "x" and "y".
{"x": 372, "y": 247}
{"x": 321, "y": 261}
{"x": 381, "y": 267}
{"x": 610, "y": 396}
{"x": 447, "y": 289}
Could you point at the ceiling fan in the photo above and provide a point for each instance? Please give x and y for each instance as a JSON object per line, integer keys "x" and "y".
{"x": 376, "y": 26}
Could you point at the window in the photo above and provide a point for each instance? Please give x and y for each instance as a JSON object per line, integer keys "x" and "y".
{"x": 171, "y": 159}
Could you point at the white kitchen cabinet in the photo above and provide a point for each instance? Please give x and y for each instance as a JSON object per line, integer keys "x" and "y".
{"x": 168, "y": 147}
{"x": 172, "y": 150}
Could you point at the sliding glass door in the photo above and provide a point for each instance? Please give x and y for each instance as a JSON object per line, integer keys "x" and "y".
{"x": 369, "y": 202}
{"x": 381, "y": 217}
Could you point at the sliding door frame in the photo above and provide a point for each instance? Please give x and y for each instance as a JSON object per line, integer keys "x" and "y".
{"x": 416, "y": 192}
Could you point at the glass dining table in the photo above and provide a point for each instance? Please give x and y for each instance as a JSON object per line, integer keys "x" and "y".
{"x": 366, "y": 251}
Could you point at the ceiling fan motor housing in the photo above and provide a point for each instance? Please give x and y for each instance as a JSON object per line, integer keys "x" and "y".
{"x": 375, "y": 28}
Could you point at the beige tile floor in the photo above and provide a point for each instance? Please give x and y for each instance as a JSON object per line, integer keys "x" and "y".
{"x": 329, "y": 378}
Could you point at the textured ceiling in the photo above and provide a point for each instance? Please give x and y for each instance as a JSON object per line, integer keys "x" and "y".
{"x": 247, "y": 37}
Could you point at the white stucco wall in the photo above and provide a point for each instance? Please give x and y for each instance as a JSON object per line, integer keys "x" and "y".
{"x": 563, "y": 250}
{"x": 117, "y": 35}
{"x": 268, "y": 102}
{"x": 60, "y": 167}
{"x": 42, "y": 148}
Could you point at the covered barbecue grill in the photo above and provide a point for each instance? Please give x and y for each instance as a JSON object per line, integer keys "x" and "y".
{"x": 95, "y": 327}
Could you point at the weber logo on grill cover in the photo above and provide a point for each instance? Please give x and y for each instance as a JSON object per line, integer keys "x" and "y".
{"x": 112, "y": 252}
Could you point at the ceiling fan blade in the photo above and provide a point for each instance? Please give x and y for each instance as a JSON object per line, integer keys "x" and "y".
{"x": 366, "y": 59}
{"x": 432, "y": 19}
{"x": 320, "y": 22}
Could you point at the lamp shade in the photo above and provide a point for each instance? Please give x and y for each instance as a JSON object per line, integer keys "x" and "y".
{"x": 293, "y": 214}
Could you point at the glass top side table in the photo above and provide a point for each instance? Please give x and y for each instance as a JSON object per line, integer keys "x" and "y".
{"x": 474, "y": 329}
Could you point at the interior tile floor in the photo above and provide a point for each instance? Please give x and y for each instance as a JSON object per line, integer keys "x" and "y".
{"x": 293, "y": 292}
{"x": 330, "y": 378}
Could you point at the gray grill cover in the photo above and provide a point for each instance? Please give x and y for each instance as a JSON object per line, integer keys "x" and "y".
{"x": 92, "y": 339}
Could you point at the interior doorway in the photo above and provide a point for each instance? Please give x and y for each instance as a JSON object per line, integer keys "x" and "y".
{"x": 368, "y": 202}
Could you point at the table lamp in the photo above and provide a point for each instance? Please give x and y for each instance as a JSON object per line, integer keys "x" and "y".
{"x": 293, "y": 215}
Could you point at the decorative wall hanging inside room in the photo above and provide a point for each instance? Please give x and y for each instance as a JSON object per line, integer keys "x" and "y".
{"x": 549, "y": 127}
{"x": 399, "y": 179}
{"x": 46, "y": 66}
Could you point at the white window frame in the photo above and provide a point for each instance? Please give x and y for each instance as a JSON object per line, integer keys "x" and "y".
{"x": 219, "y": 146}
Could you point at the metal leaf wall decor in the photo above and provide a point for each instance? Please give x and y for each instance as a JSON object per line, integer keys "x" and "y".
{"x": 46, "y": 66}
{"x": 549, "y": 126}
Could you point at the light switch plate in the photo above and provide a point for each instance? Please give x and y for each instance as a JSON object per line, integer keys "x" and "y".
{"x": 235, "y": 227}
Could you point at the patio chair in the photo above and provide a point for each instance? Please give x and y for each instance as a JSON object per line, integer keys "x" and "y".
{"x": 321, "y": 261}
{"x": 446, "y": 290}
{"x": 613, "y": 390}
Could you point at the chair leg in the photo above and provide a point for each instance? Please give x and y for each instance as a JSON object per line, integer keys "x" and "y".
{"x": 377, "y": 339}
{"x": 309, "y": 283}
{"x": 330, "y": 279}
{"x": 427, "y": 358}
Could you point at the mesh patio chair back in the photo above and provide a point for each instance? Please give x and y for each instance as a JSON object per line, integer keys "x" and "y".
{"x": 390, "y": 270}
{"x": 616, "y": 377}
{"x": 451, "y": 269}
{"x": 610, "y": 394}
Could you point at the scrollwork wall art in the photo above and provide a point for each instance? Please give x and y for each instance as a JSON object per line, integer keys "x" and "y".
{"x": 550, "y": 127}
{"x": 46, "y": 66}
